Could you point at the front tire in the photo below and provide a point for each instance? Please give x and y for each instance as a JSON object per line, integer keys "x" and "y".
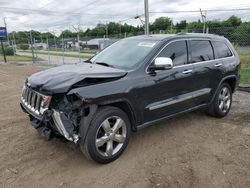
{"x": 222, "y": 102}
{"x": 108, "y": 135}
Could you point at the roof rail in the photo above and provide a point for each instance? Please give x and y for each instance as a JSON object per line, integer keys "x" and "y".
{"x": 181, "y": 33}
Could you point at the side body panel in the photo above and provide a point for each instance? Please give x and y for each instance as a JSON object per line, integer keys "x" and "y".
{"x": 165, "y": 94}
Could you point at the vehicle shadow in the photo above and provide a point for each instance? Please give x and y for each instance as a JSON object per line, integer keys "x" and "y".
{"x": 142, "y": 136}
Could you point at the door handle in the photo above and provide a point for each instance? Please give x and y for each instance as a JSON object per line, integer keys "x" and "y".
{"x": 218, "y": 65}
{"x": 187, "y": 71}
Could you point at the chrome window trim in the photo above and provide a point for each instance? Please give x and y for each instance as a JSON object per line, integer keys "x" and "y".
{"x": 190, "y": 39}
{"x": 177, "y": 40}
{"x": 227, "y": 47}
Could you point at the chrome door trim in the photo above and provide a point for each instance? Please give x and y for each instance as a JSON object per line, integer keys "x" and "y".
{"x": 178, "y": 99}
{"x": 187, "y": 71}
{"x": 218, "y": 65}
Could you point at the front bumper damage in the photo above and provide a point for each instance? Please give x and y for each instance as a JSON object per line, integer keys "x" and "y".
{"x": 64, "y": 126}
{"x": 53, "y": 123}
{"x": 63, "y": 116}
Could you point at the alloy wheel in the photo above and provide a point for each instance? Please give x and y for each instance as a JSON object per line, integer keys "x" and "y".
{"x": 224, "y": 99}
{"x": 110, "y": 136}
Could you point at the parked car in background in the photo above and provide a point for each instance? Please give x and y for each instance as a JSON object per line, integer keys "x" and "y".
{"x": 130, "y": 85}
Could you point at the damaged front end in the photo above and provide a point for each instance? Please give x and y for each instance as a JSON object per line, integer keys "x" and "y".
{"x": 57, "y": 115}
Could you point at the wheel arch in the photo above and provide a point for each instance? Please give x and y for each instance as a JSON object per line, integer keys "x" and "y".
{"x": 231, "y": 80}
{"x": 127, "y": 108}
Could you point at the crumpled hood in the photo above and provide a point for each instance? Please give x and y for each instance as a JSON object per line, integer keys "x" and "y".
{"x": 60, "y": 79}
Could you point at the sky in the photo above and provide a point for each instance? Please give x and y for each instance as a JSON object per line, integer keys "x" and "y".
{"x": 58, "y": 15}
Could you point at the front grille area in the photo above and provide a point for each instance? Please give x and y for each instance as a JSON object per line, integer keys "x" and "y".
{"x": 34, "y": 102}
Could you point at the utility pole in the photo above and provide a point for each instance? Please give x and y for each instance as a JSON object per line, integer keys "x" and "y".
{"x": 203, "y": 17}
{"x": 146, "y": 17}
{"x": 32, "y": 50}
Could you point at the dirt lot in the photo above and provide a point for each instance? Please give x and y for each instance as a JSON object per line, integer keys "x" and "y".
{"x": 193, "y": 150}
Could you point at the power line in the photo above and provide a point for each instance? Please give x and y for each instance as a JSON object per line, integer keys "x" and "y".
{"x": 48, "y": 12}
{"x": 35, "y": 11}
{"x": 85, "y": 6}
{"x": 190, "y": 11}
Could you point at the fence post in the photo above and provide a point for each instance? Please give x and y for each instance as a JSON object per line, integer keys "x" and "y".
{"x": 63, "y": 49}
{"x": 48, "y": 50}
{"x": 3, "y": 51}
{"x": 56, "y": 48}
{"x": 79, "y": 48}
{"x": 14, "y": 51}
{"x": 32, "y": 50}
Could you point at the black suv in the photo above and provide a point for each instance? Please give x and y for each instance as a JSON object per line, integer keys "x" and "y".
{"x": 133, "y": 83}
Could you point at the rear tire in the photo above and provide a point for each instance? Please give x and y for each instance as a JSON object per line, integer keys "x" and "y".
{"x": 108, "y": 135}
{"x": 222, "y": 102}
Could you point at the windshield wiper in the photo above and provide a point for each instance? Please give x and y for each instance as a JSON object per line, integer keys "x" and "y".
{"x": 88, "y": 61}
{"x": 104, "y": 64}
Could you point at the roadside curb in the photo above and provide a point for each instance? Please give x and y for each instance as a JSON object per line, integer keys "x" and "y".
{"x": 244, "y": 88}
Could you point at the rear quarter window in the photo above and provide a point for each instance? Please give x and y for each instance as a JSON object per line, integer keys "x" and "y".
{"x": 201, "y": 50}
{"x": 221, "y": 50}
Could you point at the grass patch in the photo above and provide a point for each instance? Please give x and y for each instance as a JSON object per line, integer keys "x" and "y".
{"x": 16, "y": 58}
{"x": 245, "y": 76}
{"x": 245, "y": 68}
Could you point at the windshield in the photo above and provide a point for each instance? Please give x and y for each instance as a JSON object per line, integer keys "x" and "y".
{"x": 124, "y": 54}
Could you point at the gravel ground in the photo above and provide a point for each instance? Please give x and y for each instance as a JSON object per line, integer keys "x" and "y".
{"x": 193, "y": 150}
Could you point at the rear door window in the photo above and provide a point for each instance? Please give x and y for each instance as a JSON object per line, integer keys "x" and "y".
{"x": 221, "y": 50}
{"x": 177, "y": 51}
{"x": 201, "y": 50}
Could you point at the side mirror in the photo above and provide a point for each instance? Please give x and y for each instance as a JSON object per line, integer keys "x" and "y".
{"x": 162, "y": 63}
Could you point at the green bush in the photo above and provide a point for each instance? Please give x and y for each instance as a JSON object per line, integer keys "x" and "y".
{"x": 8, "y": 51}
{"x": 24, "y": 46}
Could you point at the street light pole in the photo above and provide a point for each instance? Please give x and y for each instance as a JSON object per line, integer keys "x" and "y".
{"x": 146, "y": 17}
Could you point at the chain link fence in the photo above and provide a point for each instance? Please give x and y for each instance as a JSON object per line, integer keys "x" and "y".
{"x": 73, "y": 50}
{"x": 240, "y": 37}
